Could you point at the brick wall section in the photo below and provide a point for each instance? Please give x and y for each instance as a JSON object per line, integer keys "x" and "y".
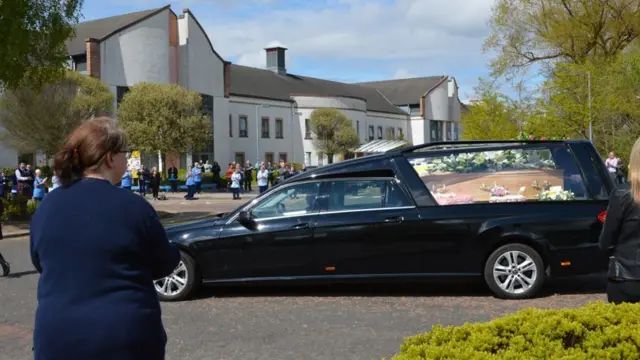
{"x": 93, "y": 57}
{"x": 423, "y": 109}
{"x": 173, "y": 29}
{"x": 227, "y": 78}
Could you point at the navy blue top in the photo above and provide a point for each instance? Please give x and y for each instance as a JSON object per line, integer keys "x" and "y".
{"x": 98, "y": 248}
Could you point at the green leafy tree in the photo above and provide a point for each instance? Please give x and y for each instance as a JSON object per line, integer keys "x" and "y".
{"x": 32, "y": 40}
{"x": 526, "y": 32}
{"x": 164, "y": 118}
{"x": 40, "y": 118}
{"x": 615, "y": 107}
{"x": 493, "y": 117}
{"x": 333, "y": 132}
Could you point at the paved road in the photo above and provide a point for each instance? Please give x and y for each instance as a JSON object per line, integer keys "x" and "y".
{"x": 350, "y": 322}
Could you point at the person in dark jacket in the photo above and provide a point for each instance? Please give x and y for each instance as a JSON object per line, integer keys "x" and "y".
{"x": 143, "y": 180}
{"x": 621, "y": 236}
{"x": 6, "y": 268}
{"x": 172, "y": 172}
{"x": 98, "y": 249}
{"x": 154, "y": 181}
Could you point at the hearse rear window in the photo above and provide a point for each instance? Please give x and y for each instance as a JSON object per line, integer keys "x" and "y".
{"x": 500, "y": 176}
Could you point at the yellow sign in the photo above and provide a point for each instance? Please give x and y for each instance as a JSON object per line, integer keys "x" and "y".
{"x": 135, "y": 154}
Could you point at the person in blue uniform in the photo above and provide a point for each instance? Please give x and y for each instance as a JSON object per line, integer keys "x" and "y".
{"x": 98, "y": 248}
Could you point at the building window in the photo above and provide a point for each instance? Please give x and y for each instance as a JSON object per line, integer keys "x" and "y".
{"x": 321, "y": 157}
{"x": 307, "y": 129}
{"x": 242, "y": 126}
{"x": 358, "y": 127}
{"x": 371, "y": 132}
{"x": 279, "y": 129}
{"x": 391, "y": 133}
{"x": 449, "y": 130}
{"x": 282, "y": 157}
{"x": 379, "y": 132}
{"x": 307, "y": 158}
{"x": 268, "y": 158}
{"x": 455, "y": 131}
{"x": 265, "y": 128}
{"x": 239, "y": 158}
{"x": 436, "y": 130}
{"x": 230, "y": 125}
{"x": 400, "y": 133}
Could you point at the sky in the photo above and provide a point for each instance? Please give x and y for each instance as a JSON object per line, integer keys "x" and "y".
{"x": 341, "y": 40}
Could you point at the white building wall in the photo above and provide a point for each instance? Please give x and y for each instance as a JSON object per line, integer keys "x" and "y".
{"x": 138, "y": 54}
{"x": 353, "y": 109}
{"x": 437, "y": 103}
{"x": 202, "y": 70}
{"x": 254, "y": 147}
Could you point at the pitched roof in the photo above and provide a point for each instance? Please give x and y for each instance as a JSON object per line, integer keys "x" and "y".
{"x": 102, "y": 28}
{"x": 406, "y": 91}
{"x": 261, "y": 83}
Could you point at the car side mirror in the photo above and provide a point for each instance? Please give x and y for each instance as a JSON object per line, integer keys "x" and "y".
{"x": 245, "y": 218}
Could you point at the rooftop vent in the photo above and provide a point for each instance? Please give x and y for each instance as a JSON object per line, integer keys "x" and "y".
{"x": 275, "y": 60}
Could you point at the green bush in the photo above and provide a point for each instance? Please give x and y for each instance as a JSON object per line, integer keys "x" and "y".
{"x": 32, "y": 206}
{"x": 597, "y": 331}
{"x": 15, "y": 208}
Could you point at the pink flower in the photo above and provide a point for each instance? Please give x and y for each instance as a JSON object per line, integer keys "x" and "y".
{"x": 543, "y": 138}
{"x": 531, "y": 137}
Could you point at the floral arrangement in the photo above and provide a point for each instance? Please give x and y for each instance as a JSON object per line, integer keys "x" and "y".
{"x": 555, "y": 193}
{"x": 491, "y": 161}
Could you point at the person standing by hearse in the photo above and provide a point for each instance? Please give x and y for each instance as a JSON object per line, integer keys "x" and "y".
{"x": 621, "y": 235}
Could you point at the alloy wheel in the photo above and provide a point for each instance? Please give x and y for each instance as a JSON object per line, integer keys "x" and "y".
{"x": 174, "y": 283}
{"x": 515, "y": 272}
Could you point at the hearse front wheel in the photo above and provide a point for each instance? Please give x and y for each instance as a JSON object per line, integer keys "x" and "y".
{"x": 182, "y": 282}
{"x": 514, "y": 271}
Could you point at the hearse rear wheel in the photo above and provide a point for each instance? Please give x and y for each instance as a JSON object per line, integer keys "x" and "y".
{"x": 514, "y": 271}
{"x": 181, "y": 283}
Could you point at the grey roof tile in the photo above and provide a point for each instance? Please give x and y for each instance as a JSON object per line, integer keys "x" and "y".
{"x": 405, "y": 91}
{"x": 101, "y": 28}
{"x": 261, "y": 83}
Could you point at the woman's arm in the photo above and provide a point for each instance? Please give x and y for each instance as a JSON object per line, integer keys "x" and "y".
{"x": 164, "y": 256}
{"x": 616, "y": 209}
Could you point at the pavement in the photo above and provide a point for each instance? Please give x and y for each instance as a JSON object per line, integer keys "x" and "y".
{"x": 174, "y": 209}
{"x": 350, "y": 322}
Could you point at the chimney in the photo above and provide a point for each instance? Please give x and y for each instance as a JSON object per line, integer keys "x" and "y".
{"x": 92, "y": 47}
{"x": 275, "y": 60}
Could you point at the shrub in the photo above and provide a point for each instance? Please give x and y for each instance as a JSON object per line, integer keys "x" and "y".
{"x": 32, "y": 206}
{"x": 596, "y": 331}
{"x": 15, "y": 208}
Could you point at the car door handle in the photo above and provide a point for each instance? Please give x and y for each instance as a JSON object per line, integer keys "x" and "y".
{"x": 300, "y": 226}
{"x": 394, "y": 220}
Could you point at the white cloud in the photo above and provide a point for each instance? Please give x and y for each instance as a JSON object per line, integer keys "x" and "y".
{"x": 402, "y": 74}
{"x": 421, "y": 33}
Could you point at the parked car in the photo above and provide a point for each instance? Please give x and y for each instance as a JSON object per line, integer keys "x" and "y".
{"x": 508, "y": 212}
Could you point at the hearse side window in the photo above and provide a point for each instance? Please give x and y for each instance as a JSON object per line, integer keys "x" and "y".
{"x": 498, "y": 176}
{"x": 345, "y": 195}
{"x": 293, "y": 200}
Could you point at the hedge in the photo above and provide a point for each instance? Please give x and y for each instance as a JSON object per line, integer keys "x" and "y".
{"x": 597, "y": 331}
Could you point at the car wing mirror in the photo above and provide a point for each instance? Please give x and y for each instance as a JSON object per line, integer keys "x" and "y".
{"x": 246, "y": 219}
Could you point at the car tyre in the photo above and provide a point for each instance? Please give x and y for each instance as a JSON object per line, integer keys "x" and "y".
{"x": 182, "y": 283}
{"x": 514, "y": 271}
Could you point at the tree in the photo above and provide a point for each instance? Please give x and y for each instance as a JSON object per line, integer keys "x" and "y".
{"x": 614, "y": 112}
{"x": 333, "y": 132}
{"x": 526, "y": 32}
{"x": 40, "y": 118}
{"x": 164, "y": 118}
{"x": 32, "y": 44}
{"x": 492, "y": 118}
